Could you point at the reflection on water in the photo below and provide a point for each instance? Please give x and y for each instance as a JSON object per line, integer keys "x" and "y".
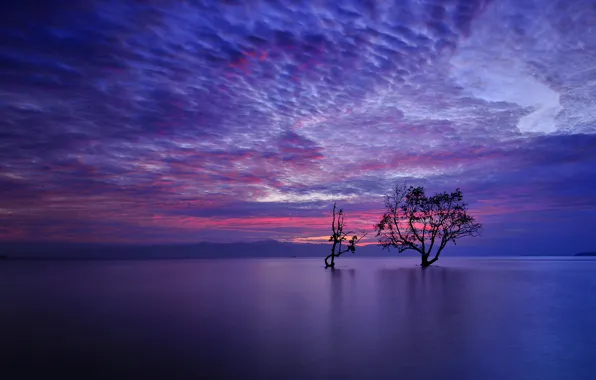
{"x": 292, "y": 319}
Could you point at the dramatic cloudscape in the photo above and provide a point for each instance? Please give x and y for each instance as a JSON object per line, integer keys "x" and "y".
{"x": 183, "y": 121}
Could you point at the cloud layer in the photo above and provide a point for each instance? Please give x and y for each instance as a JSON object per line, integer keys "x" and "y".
{"x": 185, "y": 121}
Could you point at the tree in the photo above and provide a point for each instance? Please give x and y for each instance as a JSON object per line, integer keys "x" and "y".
{"x": 414, "y": 221}
{"x": 338, "y": 236}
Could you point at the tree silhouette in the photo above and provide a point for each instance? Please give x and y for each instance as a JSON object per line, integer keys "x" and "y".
{"x": 414, "y": 221}
{"x": 338, "y": 236}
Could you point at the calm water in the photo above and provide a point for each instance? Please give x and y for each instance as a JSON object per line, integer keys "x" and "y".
{"x": 292, "y": 319}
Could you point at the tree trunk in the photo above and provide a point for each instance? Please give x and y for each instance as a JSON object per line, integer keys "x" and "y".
{"x": 332, "y": 255}
{"x": 426, "y": 262}
{"x": 332, "y": 264}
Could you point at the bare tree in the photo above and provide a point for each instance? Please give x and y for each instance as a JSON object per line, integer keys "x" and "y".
{"x": 414, "y": 221}
{"x": 339, "y": 236}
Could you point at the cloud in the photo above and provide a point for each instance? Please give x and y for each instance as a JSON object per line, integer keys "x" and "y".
{"x": 115, "y": 113}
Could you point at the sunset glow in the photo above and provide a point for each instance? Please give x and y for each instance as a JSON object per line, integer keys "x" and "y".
{"x": 158, "y": 121}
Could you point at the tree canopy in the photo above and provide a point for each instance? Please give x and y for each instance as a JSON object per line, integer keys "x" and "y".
{"x": 415, "y": 221}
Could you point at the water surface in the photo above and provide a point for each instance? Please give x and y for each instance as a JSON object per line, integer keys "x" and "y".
{"x": 292, "y": 319}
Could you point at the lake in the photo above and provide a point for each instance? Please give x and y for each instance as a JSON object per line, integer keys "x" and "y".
{"x": 466, "y": 318}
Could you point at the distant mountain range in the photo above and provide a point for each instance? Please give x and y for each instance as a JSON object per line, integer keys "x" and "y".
{"x": 267, "y": 248}
{"x": 586, "y": 254}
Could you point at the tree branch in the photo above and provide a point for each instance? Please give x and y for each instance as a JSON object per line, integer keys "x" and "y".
{"x": 443, "y": 215}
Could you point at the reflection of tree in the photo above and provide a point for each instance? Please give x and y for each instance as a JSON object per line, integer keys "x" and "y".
{"x": 337, "y": 291}
{"x": 341, "y": 328}
{"x": 418, "y": 317}
{"x": 336, "y": 294}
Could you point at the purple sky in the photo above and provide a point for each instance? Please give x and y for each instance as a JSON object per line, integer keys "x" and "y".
{"x": 182, "y": 121}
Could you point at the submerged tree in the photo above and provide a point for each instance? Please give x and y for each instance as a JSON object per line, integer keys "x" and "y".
{"x": 414, "y": 221}
{"x": 339, "y": 236}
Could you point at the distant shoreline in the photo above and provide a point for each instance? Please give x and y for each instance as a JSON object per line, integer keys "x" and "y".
{"x": 264, "y": 249}
{"x": 584, "y": 254}
{"x": 93, "y": 259}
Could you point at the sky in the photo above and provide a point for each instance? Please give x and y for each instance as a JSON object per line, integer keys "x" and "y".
{"x": 182, "y": 121}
